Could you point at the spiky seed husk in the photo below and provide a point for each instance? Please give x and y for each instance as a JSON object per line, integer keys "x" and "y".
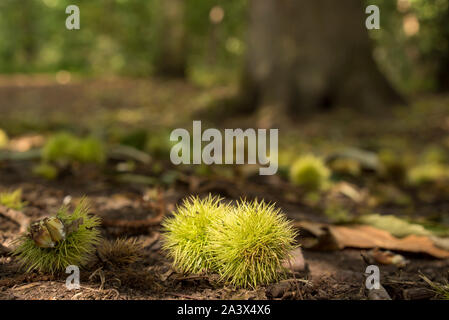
{"x": 120, "y": 251}
{"x": 309, "y": 172}
{"x": 76, "y": 248}
{"x": 250, "y": 244}
{"x": 186, "y": 233}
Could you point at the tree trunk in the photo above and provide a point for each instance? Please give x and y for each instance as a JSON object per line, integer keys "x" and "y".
{"x": 310, "y": 54}
{"x": 171, "y": 56}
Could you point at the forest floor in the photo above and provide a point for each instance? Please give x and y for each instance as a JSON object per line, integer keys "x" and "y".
{"x": 32, "y": 108}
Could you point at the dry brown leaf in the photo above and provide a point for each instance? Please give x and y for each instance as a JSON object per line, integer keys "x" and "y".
{"x": 366, "y": 237}
{"x": 348, "y": 190}
{"x": 315, "y": 228}
{"x": 25, "y": 143}
{"x": 387, "y": 257}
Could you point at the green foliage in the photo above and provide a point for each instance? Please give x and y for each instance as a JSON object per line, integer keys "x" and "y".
{"x": 90, "y": 150}
{"x": 338, "y": 213}
{"x": 427, "y": 173}
{"x": 60, "y": 147}
{"x": 119, "y": 36}
{"x": 392, "y": 166}
{"x": 412, "y": 60}
{"x": 3, "y": 139}
{"x": 46, "y": 171}
{"x": 65, "y": 148}
{"x": 12, "y": 200}
{"x": 309, "y": 172}
{"x": 435, "y": 154}
{"x": 394, "y": 225}
{"x": 346, "y": 166}
{"x": 186, "y": 233}
{"x": 136, "y": 139}
{"x": 442, "y": 290}
{"x": 75, "y": 247}
{"x": 250, "y": 243}
{"x": 158, "y": 143}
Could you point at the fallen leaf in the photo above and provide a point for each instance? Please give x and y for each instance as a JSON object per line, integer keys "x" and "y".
{"x": 25, "y": 143}
{"x": 348, "y": 190}
{"x": 359, "y": 236}
{"x": 394, "y": 225}
{"x": 442, "y": 243}
{"x": 331, "y": 237}
{"x": 388, "y": 257}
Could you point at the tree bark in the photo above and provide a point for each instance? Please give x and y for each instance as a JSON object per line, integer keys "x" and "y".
{"x": 305, "y": 55}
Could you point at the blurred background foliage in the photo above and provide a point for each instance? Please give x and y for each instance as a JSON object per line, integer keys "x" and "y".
{"x": 412, "y": 46}
{"x": 116, "y": 36}
{"x": 121, "y": 37}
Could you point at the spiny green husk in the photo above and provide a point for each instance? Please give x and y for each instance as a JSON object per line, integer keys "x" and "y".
{"x": 46, "y": 170}
{"x": 186, "y": 234}
{"x": 246, "y": 243}
{"x": 309, "y": 172}
{"x": 426, "y": 174}
{"x": 76, "y": 248}
{"x": 250, "y": 244}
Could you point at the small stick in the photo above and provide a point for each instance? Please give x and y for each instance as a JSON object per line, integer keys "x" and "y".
{"x": 181, "y": 295}
{"x": 296, "y": 281}
{"x": 17, "y": 216}
{"x": 193, "y": 277}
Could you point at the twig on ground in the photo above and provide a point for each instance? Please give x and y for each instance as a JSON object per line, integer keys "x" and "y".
{"x": 100, "y": 273}
{"x": 27, "y": 286}
{"x": 17, "y": 216}
{"x": 181, "y": 295}
{"x": 193, "y": 277}
{"x": 298, "y": 290}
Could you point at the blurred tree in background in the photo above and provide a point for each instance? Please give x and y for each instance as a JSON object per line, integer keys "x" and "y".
{"x": 304, "y": 55}
{"x": 171, "y": 57}
{"x": 134, "y": 37}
